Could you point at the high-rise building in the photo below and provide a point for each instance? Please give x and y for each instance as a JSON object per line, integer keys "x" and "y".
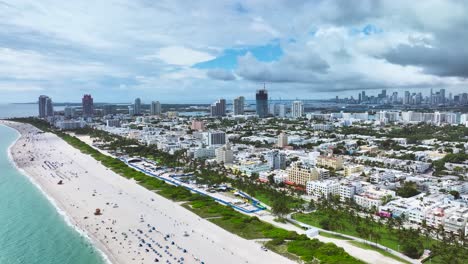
{"x": 88, "y": 106}
{"x": 218, "y": 108}
{"x": 224, "y": 154}
{"x": 276, "y": 160}
{"x": 297, "y": 109}
{"x": 216, "y": 138}
{"x": 131, "y": 111}
{"x": 442, "y": 96}
{"x": 282, "y": 140}
{"x": 155, "y": 108}
{"x": 406, "y": 99}
{"x": 46, "y": 107}
{"x": 137, "y": 106}
{"x": 261, "y": 99}
{"x": 282, "y": 110}
{"x": 49, "y": 107}
{"x": 69, "y": 112}
{"x": 238, "y": 105}
{"x": 42, "y": 105}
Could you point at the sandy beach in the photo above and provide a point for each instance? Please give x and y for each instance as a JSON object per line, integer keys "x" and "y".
{"x": 135, "y": 224}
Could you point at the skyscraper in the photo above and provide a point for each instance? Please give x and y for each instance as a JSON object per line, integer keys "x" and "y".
{"x": 49, "y": 107}
{"x": 137, "y": 106}
{"x": 69, "y": 112}
{"x": 297, "y": 109}
{"x": 442, "y": 96}
{"x": 218, "y": 108}
{"x": 282, "y": 110}
{"x": 238, "y": 105}
{"x": 42, "y": 103}
{"x": 224, "y": 154}
{"x": 261, "y": 99}
{"x": 406, "y": 99}
{"x": 282, "y": 140}
{"x": 88, "y": 105}
{"x": 155, "y": 108}
{"x": 276, "y": 160}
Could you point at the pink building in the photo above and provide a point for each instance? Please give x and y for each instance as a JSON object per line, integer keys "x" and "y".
{"x": 198, "y": 125}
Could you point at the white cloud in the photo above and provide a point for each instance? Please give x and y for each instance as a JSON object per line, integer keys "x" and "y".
{"x": 102, "y": 45}
{"x": 178, "y": 55}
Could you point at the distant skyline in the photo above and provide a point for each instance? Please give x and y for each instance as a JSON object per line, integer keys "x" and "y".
{"x": 197, "y": 52}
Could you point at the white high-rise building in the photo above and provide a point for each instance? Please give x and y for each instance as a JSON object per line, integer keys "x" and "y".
{"x": 131, "y": 111}
{"x": 464, "y": 119}
{"x": 69, "y": 112}
{"x": 282, "y": 140}
{"x": 155, "y": 108}
{"x": 225, "y": 154}
{"x": 297, "y": 109}
{"x": 238, "y": 105}
{"x": 137, "y": 106}
{"x": 276, "y": 160}
{"x": 281, "y": 110}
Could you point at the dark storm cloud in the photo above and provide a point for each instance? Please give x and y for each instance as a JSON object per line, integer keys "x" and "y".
{"x": 437, "y": 61}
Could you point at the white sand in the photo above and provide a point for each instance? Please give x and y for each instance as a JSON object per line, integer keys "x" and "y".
{"x": 126, "y": 207}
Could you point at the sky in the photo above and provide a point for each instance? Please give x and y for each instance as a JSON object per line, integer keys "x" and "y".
{"x": 198, "y": 51}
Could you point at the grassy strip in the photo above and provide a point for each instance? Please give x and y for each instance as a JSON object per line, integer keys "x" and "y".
{"x": 348, "y": 227}
{"x": 225, "y": 217}
{"x": 381, "y": 251}
{"x": 333, "y": 236}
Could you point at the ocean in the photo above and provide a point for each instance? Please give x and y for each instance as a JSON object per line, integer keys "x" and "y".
{"x": 21, "y": 110}
{"x": 31, "y": 229}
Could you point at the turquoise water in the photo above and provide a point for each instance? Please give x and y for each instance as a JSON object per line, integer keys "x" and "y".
{"x": 31, "y": 230}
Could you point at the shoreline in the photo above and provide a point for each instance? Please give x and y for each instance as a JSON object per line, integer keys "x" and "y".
{"x": 68, "y": 220}
{"x": 207, "y": 242}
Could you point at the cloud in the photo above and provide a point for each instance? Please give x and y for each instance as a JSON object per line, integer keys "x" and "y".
{"x": 219, "y": 74}
{"x": 436, "y": 61}
{"x": 175, "y": 46}
{"x": 177, "y": 55}
{"x": 294, "y": 67}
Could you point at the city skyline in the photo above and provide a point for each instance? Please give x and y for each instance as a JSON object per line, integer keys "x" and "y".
{"x": 329, "y": 48}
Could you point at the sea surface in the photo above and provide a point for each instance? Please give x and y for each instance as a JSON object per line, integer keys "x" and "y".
{"x": 31, "y": 229}
{"x": 22, "y": 110}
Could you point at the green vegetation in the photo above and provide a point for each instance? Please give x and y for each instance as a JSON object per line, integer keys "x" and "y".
{"x": 352, "y": 225}
{"x": 335, "y": 216}
{"x": 408, "y": 190}
{"x": 390, "y": 232}
{"x": 325, "y": 252}
{"x": 381, "y": 251}
{"x": 325, "y": 234}
{"x": 226, "y": 217}
{"x": 442, "y": 254}
{"x": 439, "y": 165}
{"x": 413, "y": 133}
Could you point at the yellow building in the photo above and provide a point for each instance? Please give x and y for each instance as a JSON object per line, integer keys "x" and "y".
{"x": 369, "y": 149}
{"x": 335, "y": 163}
{"x": 350, "y": 169}
{"x": 301, "y": 174}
